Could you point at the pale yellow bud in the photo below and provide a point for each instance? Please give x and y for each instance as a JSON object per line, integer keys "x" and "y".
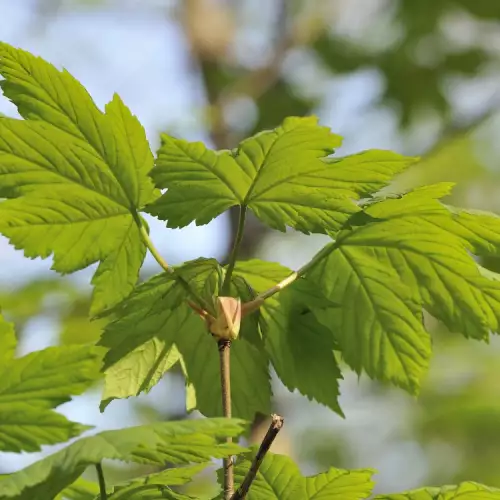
{"x": 227, "y": 324}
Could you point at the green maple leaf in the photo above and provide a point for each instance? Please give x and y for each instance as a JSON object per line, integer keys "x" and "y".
{"x": 81, "y": 489}
{"x": 180, "y": 443}
{"x": 154, "y": 328}
{"x": 279, "y": 478}
{"x": 464, "y": 491}
{"x": 73, "y": 175}
{"x": 156, "y": 485}
{"x": 299, "y": 347}
{"x": 147, "y": 492}
{"x": 414, "y": 255}
{"x": 34, "y": 384}
{"x": 281, "y": 175}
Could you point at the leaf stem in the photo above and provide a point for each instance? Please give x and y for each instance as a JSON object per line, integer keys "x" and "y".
{"x": 254, "y": 304}
{"x": 234, "y": 252}
{"x": 225, "y": 382}
{"x": 102, "y": 481}
{"x": 163, "y": 263}
{"x": 272, "y": 432}
{"x": 152, "y": 249}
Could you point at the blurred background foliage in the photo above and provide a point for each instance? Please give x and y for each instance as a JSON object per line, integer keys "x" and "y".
{"x": 420, "y": 77}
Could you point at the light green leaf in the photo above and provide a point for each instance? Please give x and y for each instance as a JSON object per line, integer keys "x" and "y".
{"x": 47, "y": 378}
{"x": 8, "y": 341}
{"x": 299, "y": 347}
{"x": 434, "y": 259}
{"x": 172, "y": 477}
{"x": 140, "y": 339}
{"x": 464, "y": 491}
{"x": 43, "y": 93}
{"x": 278, "y": 478}
{"x": 81, "y": 489}
{"x": 413, "y": 255}
{"x": 148, "y": 492}
{"x": 281, "y": 175}
{"x": 133, "y": 154}
{"x": 201, "y": 183}
{"x": 363, "y": 174}
{"x": 154, "y": 328}
{"x": 155, "y": 486}
{"x": 378, "y": 327}
{"x": 340, "y": 484}
{"x": 175, "y": 442}
{"x": 76, "y": 176}
{"x": 25, "y": 428}
{"x": 118, "y": 272}
{"x": 34, "y": 384}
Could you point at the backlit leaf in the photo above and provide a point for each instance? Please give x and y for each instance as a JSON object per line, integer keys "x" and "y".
{"x": 280, "y": 174}
{"x": 34, "y": 384}
{"x": 75, "y": 176}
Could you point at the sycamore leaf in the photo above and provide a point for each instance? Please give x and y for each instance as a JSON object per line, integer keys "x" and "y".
{"x": 175, "y": 442}
{"x": 434, "y": 258}
{"x": 26, "y": 428}
{"x": 299, "y": 347}
{"x": 378, "y": 326}
{"x": 413, "y": 255}
{"x": 156, "y": 485}
{"x": 42, "y": 93}
{"x": 363, "y": 174}
{"x": 140, "y": 341}
{"x": 154, "y": 328}
{"x": 74, "y": 176}
{"x": 279, "y": 478}
{"x": 340, "y": 484}
{"x": 34, "y": 384}
{"x": 148, "y": 492}
{"x": 481, "y": 230}
{"x": 464, "y": 491}
{"x": 279, "y": 174}
{"x": 81, "y": 489}
{"x": 118, "y": 271}
{"x": 8, "y": 341}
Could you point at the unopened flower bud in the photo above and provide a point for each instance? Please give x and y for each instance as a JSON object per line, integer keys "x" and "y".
{"x": 227, "y": 324}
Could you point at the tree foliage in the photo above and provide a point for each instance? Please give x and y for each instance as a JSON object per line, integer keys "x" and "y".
{"x": 75, "y": 181}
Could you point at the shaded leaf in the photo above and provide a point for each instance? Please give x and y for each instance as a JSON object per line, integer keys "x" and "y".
{"x": 175, "y": 442}
{"x": 34, "y": 384}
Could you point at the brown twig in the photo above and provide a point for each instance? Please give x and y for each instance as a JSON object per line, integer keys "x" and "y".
{"x": 225, "y": 383}
{"x": 272, "y": 432}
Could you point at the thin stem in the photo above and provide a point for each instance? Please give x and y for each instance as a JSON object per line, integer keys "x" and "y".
{"x": 225, "y": 383}
{"x": 272, "y": 432}
{"x": 152, "y": 249}
{"x": 234, "y": 252}
{"x": 163, "y": 263}
{"x": 254, "y": 304}
{"x": 102, "y": 481}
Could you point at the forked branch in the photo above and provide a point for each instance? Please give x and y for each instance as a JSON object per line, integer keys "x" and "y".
{"x": 272, "y": 432}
